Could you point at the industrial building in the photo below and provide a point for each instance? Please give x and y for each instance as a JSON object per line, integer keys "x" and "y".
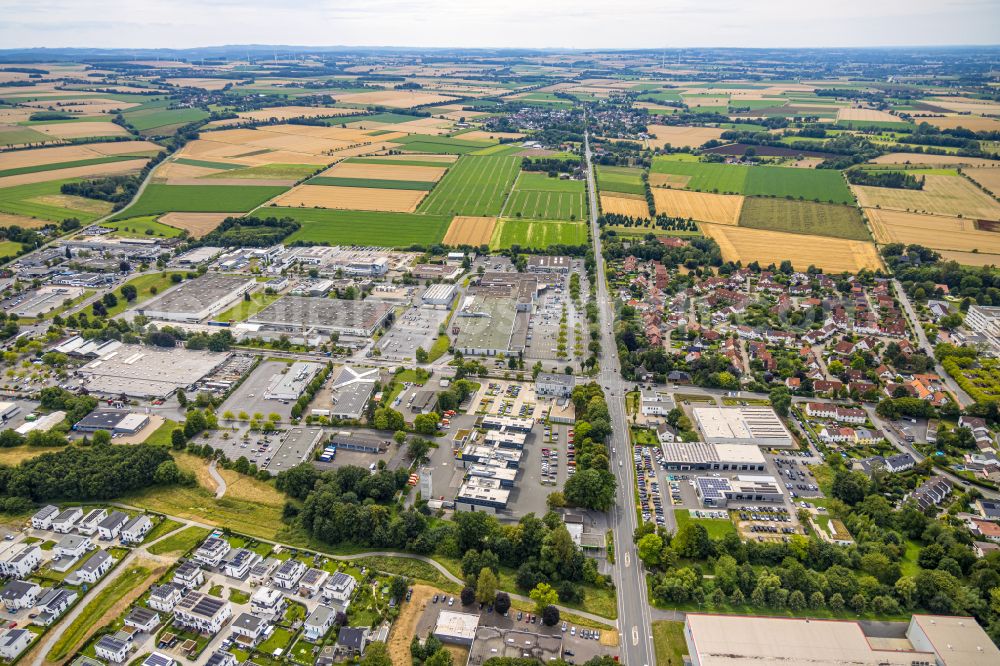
{"x": 115, "y": 421}
{"x": 481, "y": 454}
{"x": 439, "y": 295}
{"x": 549, "y": 264}
{"x": 195, "y": 300}
{"x": 735, "y": 640}
{"x": 198, "y": 255}
{"x": 513, "y": 423}
{"x": 363, "y": 441}
{"x": 323, "y": 316}
{"x": 555, "y": 385}
{"x": 702, "y": 456}
{"x": 490, "y": 325}
{"x": 759, "y": 426}
{"x": 292, "y": 382}
{"x": 479, "y": 493}
{"x": 504, "y": 475}
{"x": 351, "y": 390}
{"x": 719, "y": 492}
{"x": 140, "y": 371}
{"x": 42, "y": 301}
{"x": 457, "y": 628}
{"x": 507, "y": 439}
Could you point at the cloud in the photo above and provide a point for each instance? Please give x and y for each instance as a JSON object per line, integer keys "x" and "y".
{"x": 507, "y": 23}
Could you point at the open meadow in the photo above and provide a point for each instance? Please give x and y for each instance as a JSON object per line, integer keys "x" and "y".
{"x": 385, "y": 229}
{"x": 158, "y": 199}
{"x": 620, "y": 179}
{"x": 537, "y": 234}
{"x": 826, "y": 185}
{"x": 833, "y": 255}
{"x": 473, "y": 186}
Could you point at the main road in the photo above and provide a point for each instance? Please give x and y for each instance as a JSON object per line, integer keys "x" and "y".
{"x": 634, "y": 615}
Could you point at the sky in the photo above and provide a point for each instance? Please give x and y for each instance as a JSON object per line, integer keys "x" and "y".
{"x": 579, "y": 24}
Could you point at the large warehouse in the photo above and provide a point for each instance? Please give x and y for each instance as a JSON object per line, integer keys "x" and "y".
{"x": 735, "y": 640}
{"x": 300, "y": 314}
{"x": 198, "y": 299}
{"x": 488, "y": 326}
{"x": 700, "y": 456}
{"x": 140, "y": 371}
{"x": 759, "y": 426}
{"x": 718, "y": 492}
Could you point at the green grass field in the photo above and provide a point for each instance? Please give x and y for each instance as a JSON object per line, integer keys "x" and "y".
{"x": 162, "y": 528}
{"x": 825, "y": 185}
{"x": 669, "y": 643}
{"x": 473, "y": 186}
{"x": 424, "y": 143}
{"x": 500, "y": 149}
{"x": 180, "y": 542}
{"x": 158, "y": 199}
{"x": 206, "y": 164}
{"x": 18, "y": 136}
{"x": 346, "y": 227}
{"x": 717, "y": 528}
{"x": 242, "y": 310}
{"x": 9, "y": 249}
{"x": 371, "y": 182}
{"x": 142, "y": 227}
{"x": 68, "y": 165}
{"x": 536, "y": 196}
{"x": 537, "y": 234}
{"x": 803, "y": 217}
{"x": 144, "y": 286}
{"x": 384, "y": 118}
{"x": 620, "y": 179}
{"x": 45, "y": 202}
{"x": 94, "y": 610}
{"x": 155, "y": 113}
{"x": 266, "y": 171}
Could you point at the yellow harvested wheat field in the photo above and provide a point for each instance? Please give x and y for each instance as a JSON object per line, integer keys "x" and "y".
{"x": 974, "y": 123}
{"x": 481, "y": 135}
{"x": 678, "y": 137}
{"x": 934, "y": 160}
{"x": 286, "y": 112}
{"x": 171, "y": 172}
{"x": 80, "y": 130}
{"x": 971, "y": 258}
{"x": 942, "y": 195}
{"x": 470, "y": 231}
{"x": 701, "y": 206}
{"x": 89, "y": 171}
{"x": 28, "y": 158}
{"x": 988, "y": 178}
{"x": 8, "y": 219}
{"x": 352, "y": 198}
{"x": 385, "y": 171}
{"x": 871, "y": 115}
{"x": 935, "y": 231}
{"x": 669, "y": 180}
{"x": 197, "y": 224}
{"x": 833, "y": 255}
{"x": 400, "y": 99}
{"x": 624, "y": 206}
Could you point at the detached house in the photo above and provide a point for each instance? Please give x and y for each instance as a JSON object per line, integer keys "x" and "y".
{"x": 42, "y": 520}
{"x": 111, "y": 526}
{"x": 52, "y": 605}
{"x": 135, "y": 530}
{"x": 238, "y": 562}
{"x": 211, "y": 552}
{"x": 88, "y": 524}
{"x": 202, "y": 613}
{"x": 288, "y": 574}
{"x": 112, "y": 648}
{"x": 164, "y": 597}
{"x": 189, "y": 575}
{"x": 319, "y": 622}
{"x": 19, "y": 594}
{"x": 65, "y": 521}
{"x": 95, "y": 567}
{"x": 20, "y": 562}
{"x": 339, "y": 589}
{"x": 267, "y": 602}
{"x": 13, "y": 642}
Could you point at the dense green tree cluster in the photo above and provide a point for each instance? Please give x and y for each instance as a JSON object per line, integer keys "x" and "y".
{"x": 593, "y": 484}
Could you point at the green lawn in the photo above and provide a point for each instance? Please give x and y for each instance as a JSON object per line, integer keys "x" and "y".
{"x": 161, "y": 436}
{"x": 242, "y": 310}
{"x": 158, "y": 198}
{"x": 164, "y": 527}
{"x": 669, "y": 643}
{"x": 45, "y": 201}
{"x": 180, "y": 542}
{"x": 826, "y": 185}
{"x": 145, "y": 286}
{"x": 344, "y": 227}
{"x": 94, "y": 610}
{"x": 142, "y": 227}
{"x": 717, "y": 527}
{"x": 473, "y": 186}
{"x": 9, "y": 249}
{"x": 804, "y": 217}
{"x": 278, "y": 640}
{"x": 238, "y": 596}
{"x": 537, "y": 234}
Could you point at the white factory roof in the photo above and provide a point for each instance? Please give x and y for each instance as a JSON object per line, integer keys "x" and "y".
{"x": 458, "y": 625}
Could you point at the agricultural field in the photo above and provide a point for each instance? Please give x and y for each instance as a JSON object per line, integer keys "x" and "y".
{"x": 352, "y": 198}
{"x": 157, "y": 199}
{"x": 934, "y": 231}
{"x": 624, "y": 180}
{"x": 15, "y": 135}
{"x": 804, "y": 217}
{"x": 680, "y": 137}
{"x": 426, "y": 143}
{"x": 337, "y": 227}
{"x": 988, "y": 178}
{"x": 386, "y": 171}
{"x": 373, "y": 183}
{"x": 45, "y": 201}
{"x": 108, "y": 166}
{"x": 539, "y": 197}
{"x": 826, "y": 185}
{"x": 437, "y": 161}
{"x": 59, "y": 166}
{"x": 470, "y": 231}
{"x": 934, "y": 160}
{"x": 80, "y": 129}
{"x": 700, "y": 206}
{"x": 475, "y": 186}
{"x": 537, "y": 234}
{"x": 267, "y": 172}
{"x": 833, "y": 255}
{"x": 196, "y": 224}
{"x": 141, "y": 227}
{"x": 622, "y": 205}
{"x": 942, "y": 195}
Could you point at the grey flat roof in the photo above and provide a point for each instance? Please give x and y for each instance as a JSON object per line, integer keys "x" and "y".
{"x": 194, "y": 296}
{"x": 324, "y": 313}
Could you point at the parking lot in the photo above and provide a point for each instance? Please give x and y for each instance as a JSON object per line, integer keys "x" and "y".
{"x": 651, "y": 498}
{"x": 544, "y": 326}
{"x": 792, "y": 471}
{"x": 249, "y": 397}
{"x": 416, "y": 327}
{"x": 394, "y": 458}
{"x": 504, "y": 398}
